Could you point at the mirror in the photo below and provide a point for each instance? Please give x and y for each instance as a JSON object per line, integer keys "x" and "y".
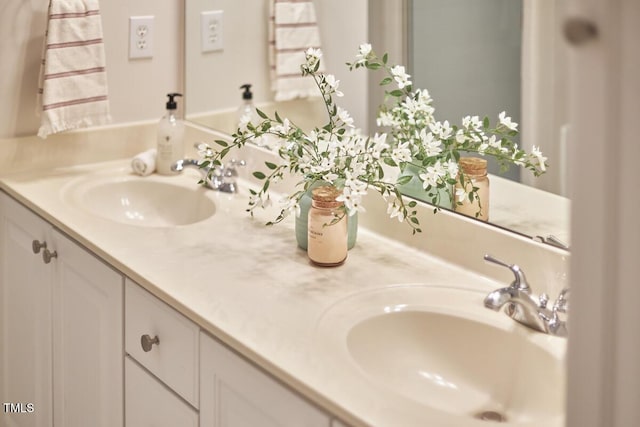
{"x": 476, "y": 57}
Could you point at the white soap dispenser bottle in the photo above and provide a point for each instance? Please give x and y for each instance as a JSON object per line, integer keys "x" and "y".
{"x": 170, "y": 138}
{"x": 247, "y": 111}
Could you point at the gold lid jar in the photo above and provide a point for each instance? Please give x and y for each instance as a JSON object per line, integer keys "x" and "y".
{"x": 327, "y": 228}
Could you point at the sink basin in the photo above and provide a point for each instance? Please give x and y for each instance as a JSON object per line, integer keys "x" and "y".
{"x": 440, "y": 348}
{"x": 152, "y": 201}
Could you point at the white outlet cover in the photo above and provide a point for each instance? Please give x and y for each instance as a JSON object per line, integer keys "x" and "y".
{"x": 211, "y": 30}
{"x": 140, "y": 37}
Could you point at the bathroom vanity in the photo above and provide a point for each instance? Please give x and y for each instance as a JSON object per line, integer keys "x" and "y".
{"x": 122, "y": 306}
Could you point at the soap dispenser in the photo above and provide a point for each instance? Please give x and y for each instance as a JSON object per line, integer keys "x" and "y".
{"x": 170, "y": 138}
{"x": 247, "y": 109}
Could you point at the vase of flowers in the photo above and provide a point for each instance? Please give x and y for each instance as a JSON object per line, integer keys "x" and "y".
{"x": 340, "y": 155}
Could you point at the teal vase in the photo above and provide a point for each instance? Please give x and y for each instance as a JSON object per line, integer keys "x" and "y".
{"x": 414, "y": 188}
{"x": 302, "y": 221}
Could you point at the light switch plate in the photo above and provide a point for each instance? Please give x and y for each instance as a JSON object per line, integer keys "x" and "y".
{"x": 140, "y": 37}
{"x": 211, "y": 29}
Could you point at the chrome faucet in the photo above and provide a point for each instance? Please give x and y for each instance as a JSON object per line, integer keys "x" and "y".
{"x": 222, "y": 178}
{"x": 525, "y": 308}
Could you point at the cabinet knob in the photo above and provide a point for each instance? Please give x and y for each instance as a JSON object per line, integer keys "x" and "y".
{"x": 147, "y": 342}
{"x": 37, "y": 245}
{"x": 47, "y": 255}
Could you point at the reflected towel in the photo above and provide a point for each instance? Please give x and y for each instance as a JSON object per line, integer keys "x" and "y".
{"x": 144, "y": 163}
{"x": 292, "y": 30}
{"x": 73, "y": 81}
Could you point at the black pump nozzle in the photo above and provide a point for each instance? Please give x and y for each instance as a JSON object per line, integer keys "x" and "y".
{"x": 247, "y": 94}
{"x": 171, "y": 104}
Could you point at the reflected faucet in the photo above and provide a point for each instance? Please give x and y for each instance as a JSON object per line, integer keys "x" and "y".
{"x": 221, "y": 178}
{"x": 525, "y": 308}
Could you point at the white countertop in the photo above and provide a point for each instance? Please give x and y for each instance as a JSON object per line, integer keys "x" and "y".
{"x": 252, "y": 287}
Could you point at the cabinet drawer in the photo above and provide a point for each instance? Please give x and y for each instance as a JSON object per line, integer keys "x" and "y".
{"x": 174, "y": 358}
{"x": 150, "y": 404}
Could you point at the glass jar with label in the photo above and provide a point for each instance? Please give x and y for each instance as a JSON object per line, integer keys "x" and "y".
{"x": 327, "y": 228}
{"x": 474, "y": 171}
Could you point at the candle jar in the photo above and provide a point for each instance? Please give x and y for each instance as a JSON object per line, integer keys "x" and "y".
{"x": 327, "y": 228}
{"x": 474, "y": 171}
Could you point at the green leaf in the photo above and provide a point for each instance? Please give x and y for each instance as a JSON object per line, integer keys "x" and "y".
{"x": 412, "y": 204}
{"x": 386, "y": 81}
{"x": 270, "y": 165}
{"x": 389, "y": 161}
{"x": 404, "y": 180}
{"x": 485, "y": 122}
{"x": 373, "y": 65}
{"x": 278, "y": 118}
{"x": 396, "y": 93}
{"x": 261, "y": 114}
{"x": 221, "y": 143}
{"x": 385, "y": 57}
{"x": 259, "y": 175}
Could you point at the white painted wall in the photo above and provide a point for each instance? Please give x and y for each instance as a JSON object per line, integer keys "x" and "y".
{"x": 218, "y": 75}
{"x": 136, "y": 87}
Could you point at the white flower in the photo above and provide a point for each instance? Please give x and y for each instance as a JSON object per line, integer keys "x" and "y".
{"x": 312, "y": 56}
{"x": 364, "y": 51}
{"x": 537, "y": 154}
{"x": 433, "y": 175}
{"x": 331, "y": 81}
{"x": 461, "y": 137}
{"x": 204, "y": 150}
{"x": 400, "y": 76}
{"x": 401, "y": 153}
{"x": 351, "y": 201}
{"x": 441, "y": 130}
{"x": 506, "y": 121}
{"x": 344, "y": 116}
{"x": 452, "y": 169}
{"x": 284, "y": 128}
{"x": 472, "y": 123}
{"x": 461, "y": 195}
{"x": 393, "y": 210}
{"x": 385, "y": 118}
{"x": 431, "y": 145}
{"x": 517, "y": 157}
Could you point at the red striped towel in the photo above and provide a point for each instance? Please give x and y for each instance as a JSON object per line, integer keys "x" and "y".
{"x": 292, "y": 30}
{"x": 73, "y": 82}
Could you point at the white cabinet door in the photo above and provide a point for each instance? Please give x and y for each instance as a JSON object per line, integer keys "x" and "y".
{"x": 233, "y": 393}
{"x": 61, "y": 329}
{"x": 87, "y": 338}
{"x": 25, "y": 319}
{"x": 151, "y": 404}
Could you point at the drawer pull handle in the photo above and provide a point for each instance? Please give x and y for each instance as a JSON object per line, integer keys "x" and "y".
{"x": 47, "y": 256}
{"x": 148, "y": 342}
{"x": 37, "y": 246}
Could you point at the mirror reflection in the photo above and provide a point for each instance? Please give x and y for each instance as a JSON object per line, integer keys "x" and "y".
{"x": 475, "y": 58}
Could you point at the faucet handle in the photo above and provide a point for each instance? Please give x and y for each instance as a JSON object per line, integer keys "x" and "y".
{"x": 230, "y": 169}
{"x": 520, "y": 281}
{"x": 543, "y": 300}
{"x": 562, "y": 303}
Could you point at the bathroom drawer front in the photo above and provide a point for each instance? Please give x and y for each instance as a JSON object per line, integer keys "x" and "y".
{"x": 149, "y": 403}
{"x": 174, "y": 358}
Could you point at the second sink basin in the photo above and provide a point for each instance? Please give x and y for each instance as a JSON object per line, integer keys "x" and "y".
{"x": 441, "y": 348}
{"x": 153, "y": 201}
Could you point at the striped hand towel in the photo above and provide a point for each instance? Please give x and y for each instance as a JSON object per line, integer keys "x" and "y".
{"x": 292, "y": 30}
{"x": 73, "y": 81}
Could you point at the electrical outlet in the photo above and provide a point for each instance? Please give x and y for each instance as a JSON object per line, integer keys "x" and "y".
{"x": 140, "y": 37}
{"x": 211, "y": 29}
